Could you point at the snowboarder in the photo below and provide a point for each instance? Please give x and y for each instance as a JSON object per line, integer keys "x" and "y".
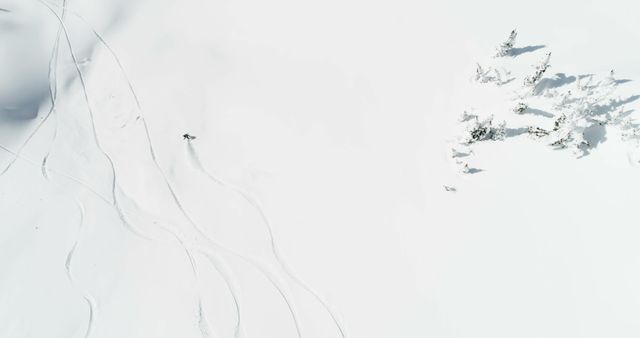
{"x": 188, "y": 137}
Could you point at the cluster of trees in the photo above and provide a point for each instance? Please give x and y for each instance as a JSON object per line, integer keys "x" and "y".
{"x": 590, "y": 105}
{"x": 577, "y": 112}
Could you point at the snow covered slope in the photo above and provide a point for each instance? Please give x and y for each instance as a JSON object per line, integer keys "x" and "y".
{"x": 312, "y": 201}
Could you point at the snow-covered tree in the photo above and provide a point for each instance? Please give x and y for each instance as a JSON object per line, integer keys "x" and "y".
{"x": 520, "y": 108}
{"x": 559, "y": 122}
{"x": 494, "y": 75}
{"x": 455, "y": 153}
{"x": 537, "y": 131}
{"x": 541, "y": 68}
{"x": 630, "y": 130}
{"x": 485, "y": 130}
{"x": 564, "y": 101}
{"x": 466, "y": 117}
{"x": 505, "y": 48}
{"x": 611, "y": 80}
{"x": 481, "y": 74}
{"x": 563, "y": 142}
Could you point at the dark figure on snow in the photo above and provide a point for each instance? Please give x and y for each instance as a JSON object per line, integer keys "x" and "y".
{"x": 188, "y": 137}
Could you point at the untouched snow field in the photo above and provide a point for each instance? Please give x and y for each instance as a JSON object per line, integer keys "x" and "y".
{"x": 312, "y": 201}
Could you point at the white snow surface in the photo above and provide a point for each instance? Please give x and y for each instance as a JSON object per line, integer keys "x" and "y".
{"x": 319, "y": 198}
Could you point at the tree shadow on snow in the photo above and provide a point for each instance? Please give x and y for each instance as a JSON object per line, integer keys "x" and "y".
{"x": 615, "y": 104}
{"x": 514, "y": 132}
{"x": 528, "y": 49}
{"x": 558, "y": 80}
{"x": 626, "y": 113}
{"x": 628, "y": 100}
{"x": 534, "y": 111}
{"x": 473, "y": 171}
{"x": 595, "y": 135}
{"x": 507, "y": 81}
